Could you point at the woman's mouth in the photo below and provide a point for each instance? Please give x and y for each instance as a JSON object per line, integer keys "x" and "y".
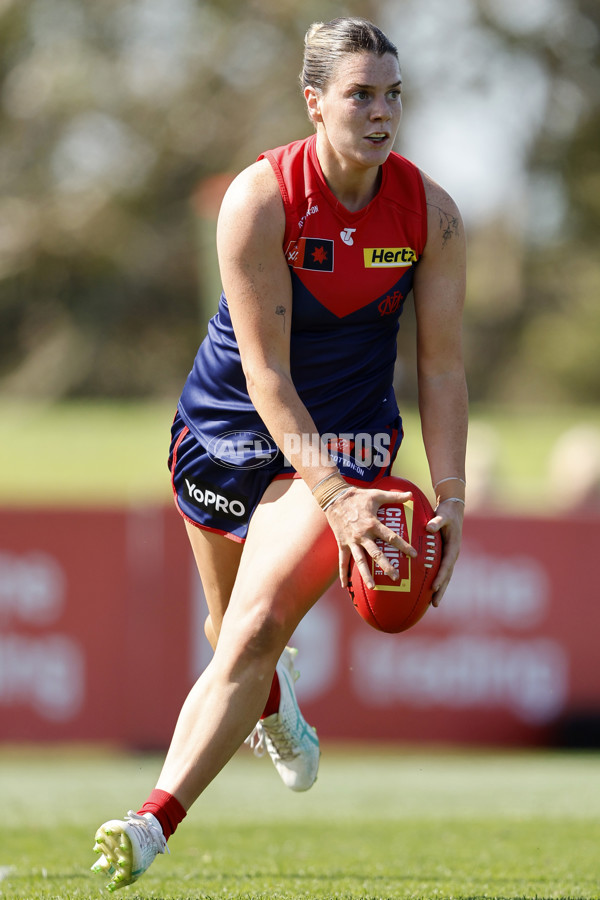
{"x": 377, "y": 137}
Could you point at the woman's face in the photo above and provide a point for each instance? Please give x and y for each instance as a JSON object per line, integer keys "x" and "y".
{"x": 359, "y": 111}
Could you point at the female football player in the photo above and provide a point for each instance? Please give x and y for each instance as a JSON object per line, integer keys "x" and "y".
{"x": 288, "y": 418}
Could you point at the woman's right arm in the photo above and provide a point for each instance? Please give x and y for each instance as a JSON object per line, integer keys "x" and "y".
{"x": 257, "y": 284}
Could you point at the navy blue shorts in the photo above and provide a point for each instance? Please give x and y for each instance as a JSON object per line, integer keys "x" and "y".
{"x": 219, "y": 492}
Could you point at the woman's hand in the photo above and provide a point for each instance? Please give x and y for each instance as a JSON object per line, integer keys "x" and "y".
{"x": 448, "y": 520}
{"x": 353, "y": 520}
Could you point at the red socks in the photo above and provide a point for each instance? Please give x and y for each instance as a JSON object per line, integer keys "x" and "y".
{"x": 166, "y": 808}
{"x": 273, "y": 699}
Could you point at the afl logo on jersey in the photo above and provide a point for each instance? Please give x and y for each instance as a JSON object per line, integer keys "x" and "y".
{"x": 310, "y": 253}
{"x": 389, "y": 257}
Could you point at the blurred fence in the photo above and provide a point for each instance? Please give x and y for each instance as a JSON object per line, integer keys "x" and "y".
{"x": 101, "y": 636}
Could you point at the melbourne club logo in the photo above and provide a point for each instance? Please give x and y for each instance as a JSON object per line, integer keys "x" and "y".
{"x": 346, "y": 236}
{"x": 390, "y": 304}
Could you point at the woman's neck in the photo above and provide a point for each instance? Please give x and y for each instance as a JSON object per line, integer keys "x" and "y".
{"x": 354, "y": 187}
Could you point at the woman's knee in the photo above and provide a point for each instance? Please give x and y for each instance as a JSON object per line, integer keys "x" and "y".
{"x": 257, "y": 635}
{"x": 268, "y": 629}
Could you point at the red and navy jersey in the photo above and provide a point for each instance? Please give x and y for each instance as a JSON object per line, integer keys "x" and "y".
{"x": 350, "y": 274}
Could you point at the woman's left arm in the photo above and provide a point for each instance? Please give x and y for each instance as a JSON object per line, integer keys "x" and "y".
{"x": 439, "y": 293}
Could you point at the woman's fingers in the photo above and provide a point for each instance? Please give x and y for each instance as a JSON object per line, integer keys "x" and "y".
{"x": 362, "y": 536}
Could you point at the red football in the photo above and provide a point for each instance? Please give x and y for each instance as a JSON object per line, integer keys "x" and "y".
{"x": 395, "y": 606}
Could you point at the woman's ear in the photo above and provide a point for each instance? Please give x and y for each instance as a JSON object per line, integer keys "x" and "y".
{"x": 312, "y": 96}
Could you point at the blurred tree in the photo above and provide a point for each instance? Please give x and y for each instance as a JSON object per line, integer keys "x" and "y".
{"x": 520, "y": 84}
{"x": 113, "y": 114}
{"x": 542, "y": 345}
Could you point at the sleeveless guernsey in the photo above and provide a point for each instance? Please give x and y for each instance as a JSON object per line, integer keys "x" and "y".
{"x": 350, "y": 273}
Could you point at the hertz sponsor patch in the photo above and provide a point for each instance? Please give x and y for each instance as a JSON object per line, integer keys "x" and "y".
{"x": 389, "y": 257}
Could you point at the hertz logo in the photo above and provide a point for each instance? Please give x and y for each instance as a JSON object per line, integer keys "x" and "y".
{"x": 389, "y": 257}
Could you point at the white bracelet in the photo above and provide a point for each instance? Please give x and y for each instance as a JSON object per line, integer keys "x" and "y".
{"x": 451, "y": 500}
{"x": 449, "y": 478}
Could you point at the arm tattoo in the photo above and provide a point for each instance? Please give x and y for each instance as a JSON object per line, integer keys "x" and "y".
{"x": 281, "y": 311}
{"x": 448, "y": 224}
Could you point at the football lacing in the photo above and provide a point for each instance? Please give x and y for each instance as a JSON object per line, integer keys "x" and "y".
{"x": 430, "y": 552}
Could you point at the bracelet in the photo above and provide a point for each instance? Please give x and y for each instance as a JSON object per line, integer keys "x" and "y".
{"x": 327, "y": 477}
{"x": 451, "y": 500}
{"x": 450, "y": 478}
{"x": 324, "y": 493}
{"x": 333, "y": 499}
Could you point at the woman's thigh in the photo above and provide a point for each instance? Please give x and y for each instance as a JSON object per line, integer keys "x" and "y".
{"x": 217, "y": 559}
{"x": 289, "y": 559}
{"x": 287, "y": 562}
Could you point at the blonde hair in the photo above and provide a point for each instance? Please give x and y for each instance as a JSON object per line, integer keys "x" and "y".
{"x": 326, "y": 43}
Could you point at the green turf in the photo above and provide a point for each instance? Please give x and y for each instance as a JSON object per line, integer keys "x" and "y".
{"x": 114, "y": 453}
{"x": 81, "y": 453}
{"x": 393, "y": 824}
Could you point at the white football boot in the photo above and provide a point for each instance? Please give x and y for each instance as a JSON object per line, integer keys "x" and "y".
{"x": 128, "y": 848}
{"x": 291, "y": 742}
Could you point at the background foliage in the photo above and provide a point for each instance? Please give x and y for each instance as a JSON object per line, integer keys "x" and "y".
{"x": 117, "y": 116}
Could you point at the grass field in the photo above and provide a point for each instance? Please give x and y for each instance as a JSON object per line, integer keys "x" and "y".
{"x": 393, "y": 824}
{"x": 113, "y": 453}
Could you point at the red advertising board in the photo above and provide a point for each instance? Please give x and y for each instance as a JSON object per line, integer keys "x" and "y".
{"x": 101, "y": 636}
{"x": 511, "y": 651}
{"x": 91, "y": 633}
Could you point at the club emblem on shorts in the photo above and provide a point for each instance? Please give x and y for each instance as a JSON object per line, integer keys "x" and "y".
{"x": 310, "y": 253}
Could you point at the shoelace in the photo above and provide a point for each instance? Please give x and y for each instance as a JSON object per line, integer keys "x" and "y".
{"x": 279, "y": 737}
{"x": 256, "y": 740}
{"x": 154, "y": 831}
{"x": 281, "y": 740}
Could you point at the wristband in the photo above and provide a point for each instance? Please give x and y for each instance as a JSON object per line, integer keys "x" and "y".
{"x": 334, "y": 498}
{"x": 328, "y": 488}
{"x": 451, "y": 500}
{"x": 327, "y": 477}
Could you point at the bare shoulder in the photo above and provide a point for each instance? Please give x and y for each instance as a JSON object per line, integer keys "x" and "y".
{"x": 251, "y": 223}
{"x": 253, "y": 197}
{"x": 444, "y": 222}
